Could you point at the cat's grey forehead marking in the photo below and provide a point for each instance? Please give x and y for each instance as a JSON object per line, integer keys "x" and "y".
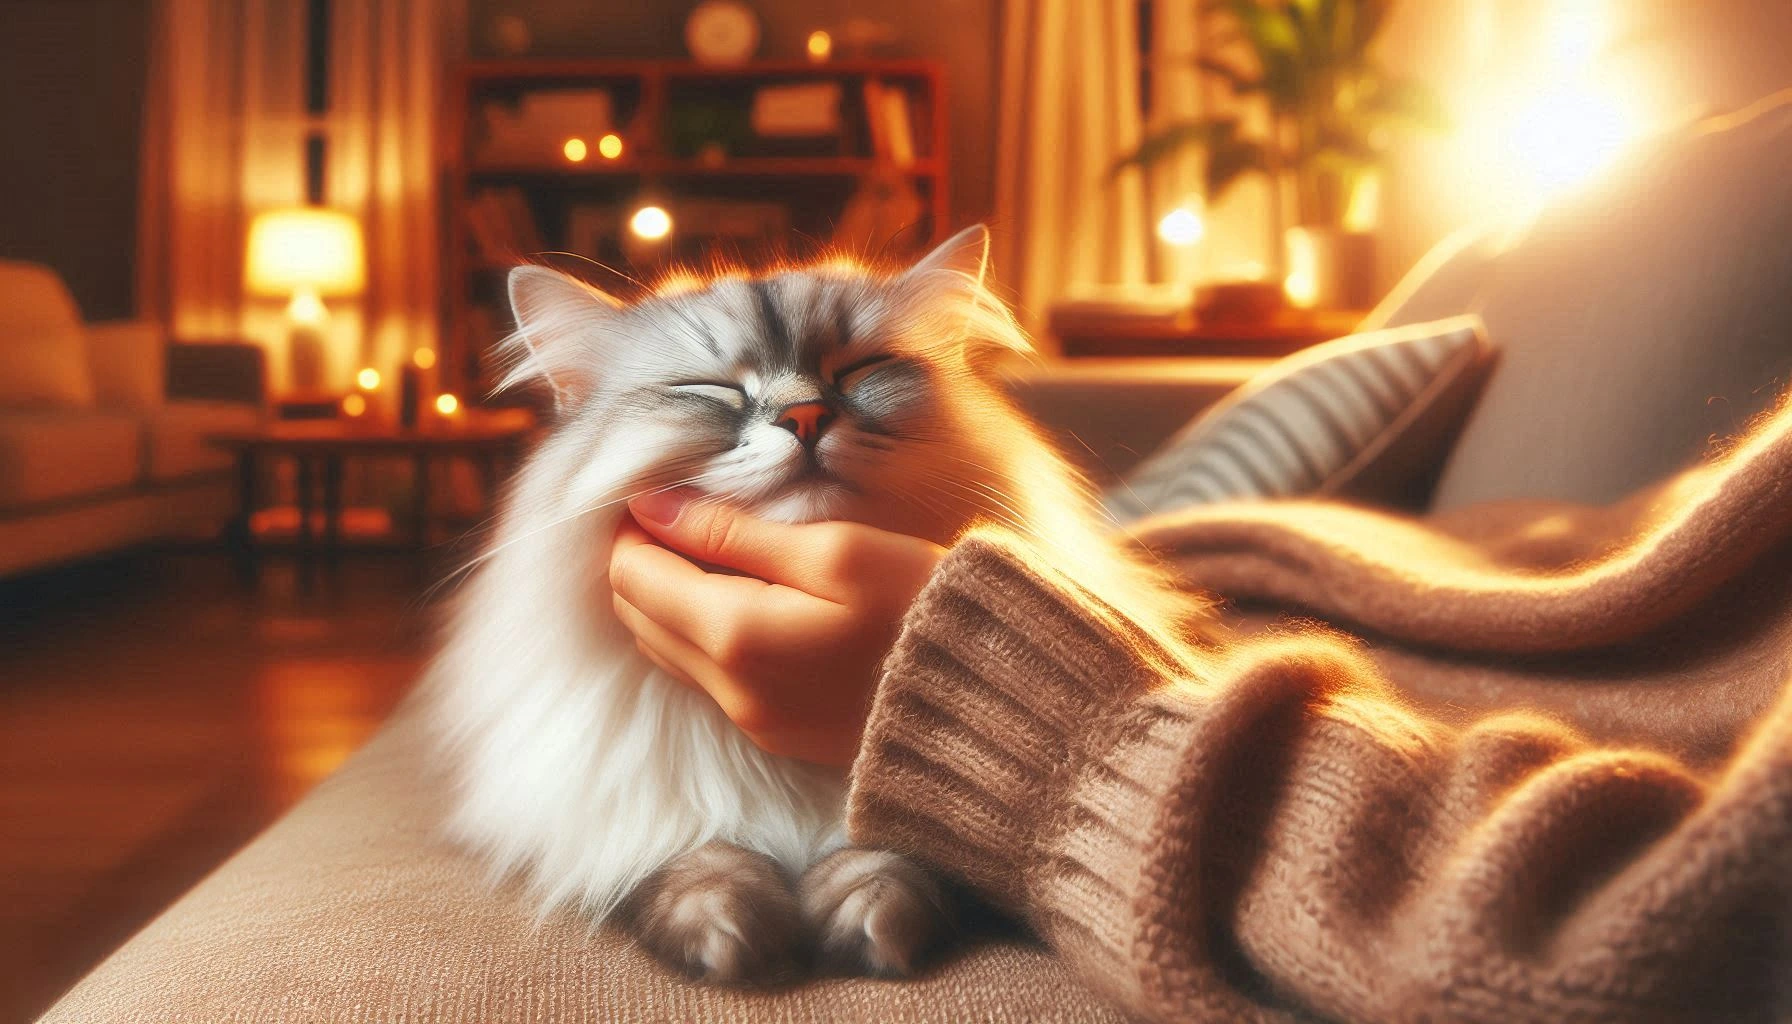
{"x": 783, "y": 322}
{"x": 773, "y": 326}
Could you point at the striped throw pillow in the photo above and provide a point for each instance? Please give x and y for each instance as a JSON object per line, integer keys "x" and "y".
{"x": 1368, "y": 416}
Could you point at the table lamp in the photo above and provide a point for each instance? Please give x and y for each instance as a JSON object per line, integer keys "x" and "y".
{"x": 306, "y": 252}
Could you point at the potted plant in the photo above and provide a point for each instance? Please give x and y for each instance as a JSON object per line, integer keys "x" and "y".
{"x": 1333, "y": 112}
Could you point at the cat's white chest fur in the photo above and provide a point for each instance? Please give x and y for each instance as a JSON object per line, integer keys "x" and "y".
{"x": 581, "y": 766}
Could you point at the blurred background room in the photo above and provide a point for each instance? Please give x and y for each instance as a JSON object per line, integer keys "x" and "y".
{"x": 252, "y": 256}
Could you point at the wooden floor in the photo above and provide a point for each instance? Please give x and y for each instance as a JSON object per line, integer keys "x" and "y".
{"x": 156, "y": 712}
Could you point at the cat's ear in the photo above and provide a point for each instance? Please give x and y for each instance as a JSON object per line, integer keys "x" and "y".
{"x": 949, "y": 284}
{"x": 561, "y": 323}
{"x": 965, "y": 255}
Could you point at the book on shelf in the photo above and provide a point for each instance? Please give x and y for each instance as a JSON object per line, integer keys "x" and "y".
{"x": 889, "y": 117}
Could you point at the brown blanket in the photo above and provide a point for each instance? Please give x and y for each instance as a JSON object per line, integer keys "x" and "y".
{"x": 1302, "y": 823}
{"x": 1663, "y": 621}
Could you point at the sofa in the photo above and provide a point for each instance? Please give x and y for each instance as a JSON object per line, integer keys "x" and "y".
{"x": 103, "y": 426}
{"x": 1637, "y": 323}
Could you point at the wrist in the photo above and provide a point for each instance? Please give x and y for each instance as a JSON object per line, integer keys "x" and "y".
{"x": 1001, "y": 669}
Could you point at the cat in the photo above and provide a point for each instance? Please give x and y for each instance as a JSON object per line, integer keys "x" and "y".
{"x": 611, "y": 787}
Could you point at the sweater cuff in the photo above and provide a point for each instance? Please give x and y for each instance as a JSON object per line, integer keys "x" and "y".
{"x": 1001, "y": 666}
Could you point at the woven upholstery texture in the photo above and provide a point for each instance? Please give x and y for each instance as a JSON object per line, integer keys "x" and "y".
{"x": 350, "y": 909}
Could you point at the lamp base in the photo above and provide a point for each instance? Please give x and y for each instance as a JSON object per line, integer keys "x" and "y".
{"x": 307, "y": 360}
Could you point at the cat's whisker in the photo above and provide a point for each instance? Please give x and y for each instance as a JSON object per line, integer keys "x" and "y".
{"x": 561, "y": 521}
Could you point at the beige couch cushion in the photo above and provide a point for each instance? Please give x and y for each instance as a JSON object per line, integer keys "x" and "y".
{"x": 43, "y": 345}
{"x": 176, "y": 444}
{"x": 128, "y": 360}
{"x": 55, "y": 454}
{"x": 1639, "y": 320}
{"x": 351, "y": 909}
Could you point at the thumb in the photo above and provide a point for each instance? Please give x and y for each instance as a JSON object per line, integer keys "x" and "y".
{"x": 799, "y": 556}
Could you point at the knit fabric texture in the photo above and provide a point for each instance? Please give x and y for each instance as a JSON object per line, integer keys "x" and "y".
{"x": 1556, "y": 786}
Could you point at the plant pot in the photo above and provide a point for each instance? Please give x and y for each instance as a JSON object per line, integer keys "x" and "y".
{"x": 1329, "y": 267}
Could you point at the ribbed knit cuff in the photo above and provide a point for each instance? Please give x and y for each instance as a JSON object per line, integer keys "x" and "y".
{"x": 1001, "y": 665}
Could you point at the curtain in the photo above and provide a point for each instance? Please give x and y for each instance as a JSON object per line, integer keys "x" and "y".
{"x": 1069, "y": 106}
{"x": 225, "y": 130}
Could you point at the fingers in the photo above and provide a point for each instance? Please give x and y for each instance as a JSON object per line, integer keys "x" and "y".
{"x": 677, "y": 656}
{"x": 835, "y": 561}
{"x": 699, "y": 606}
{"x": 687, "y": 663}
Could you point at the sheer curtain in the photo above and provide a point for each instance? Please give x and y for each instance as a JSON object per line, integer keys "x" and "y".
{"x": 1069, "y": 98}
{"x": 225, "y": 129}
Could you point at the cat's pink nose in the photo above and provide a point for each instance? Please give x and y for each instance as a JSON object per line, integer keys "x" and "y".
{"x": 806, "y": 420}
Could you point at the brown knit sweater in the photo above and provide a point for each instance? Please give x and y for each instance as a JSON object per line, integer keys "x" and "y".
{"x": 1280, "y": 832}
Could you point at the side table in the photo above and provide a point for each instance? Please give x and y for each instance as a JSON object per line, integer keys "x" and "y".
{"x": 321, "y": 447}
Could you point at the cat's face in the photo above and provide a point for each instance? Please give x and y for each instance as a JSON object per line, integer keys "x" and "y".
{"x": 811, "y": 393}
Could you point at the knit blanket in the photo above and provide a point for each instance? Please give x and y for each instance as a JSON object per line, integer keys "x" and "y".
{"x": 1521, "y": 762}
{"x": 1663, "y": 621}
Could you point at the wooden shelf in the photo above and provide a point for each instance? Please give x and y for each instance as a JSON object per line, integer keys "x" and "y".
{"x": 650, "y": 99}
{"x": 685, "y": 70}
{"x": 1083, "y": 335}
{"x": 743, "y": 167}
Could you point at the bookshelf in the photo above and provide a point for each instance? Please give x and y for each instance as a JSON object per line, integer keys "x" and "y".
{"x": 854, "y": 143}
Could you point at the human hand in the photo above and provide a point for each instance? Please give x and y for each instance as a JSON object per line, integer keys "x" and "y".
{"x": 790, "y": 651}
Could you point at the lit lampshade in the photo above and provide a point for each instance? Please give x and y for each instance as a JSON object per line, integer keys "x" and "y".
{"x": 306, "y": 249}
{"x": 306, "y": 253}
{"x": 610, "y": 146}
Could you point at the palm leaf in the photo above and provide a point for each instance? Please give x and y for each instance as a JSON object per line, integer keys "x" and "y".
{"x": 1229, "y": 157}
{"x": 1231, "y": 160}
{"x": 1174, "y": 138}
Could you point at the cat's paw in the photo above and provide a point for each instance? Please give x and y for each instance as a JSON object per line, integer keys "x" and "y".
{"x": 722, "y": 915}
{"x": 874, "y": 912}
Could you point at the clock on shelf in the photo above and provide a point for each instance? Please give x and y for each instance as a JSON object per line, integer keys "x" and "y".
{"x": 722, "y": 32}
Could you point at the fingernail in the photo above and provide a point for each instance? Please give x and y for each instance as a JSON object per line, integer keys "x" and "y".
{"x": 660, "y": 507}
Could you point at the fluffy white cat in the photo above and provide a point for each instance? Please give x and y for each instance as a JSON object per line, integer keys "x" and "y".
{"x": 612, "y": 787}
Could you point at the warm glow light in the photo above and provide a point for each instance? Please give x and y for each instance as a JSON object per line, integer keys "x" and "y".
{"x": 1569, "y": 135}
{"x": 424, "y": 358}
{"x": 353, "y": 405}
{"x": 1302, "y": 283}
{"x": 575, "y": 150}
{"x": 821, "y": 46}
{"x": 610, "y": 146}
{"x": 447, "y": 405}
{"x": 305, "y": 248}
{"x": 1554, "y": 120}
{"x": 1302, "y": 289}
{"x": 1181, "y": 226}
{"x": 368, "y": 378}
{"x": 306, "y": 308}
{"x": 651, "y": 223}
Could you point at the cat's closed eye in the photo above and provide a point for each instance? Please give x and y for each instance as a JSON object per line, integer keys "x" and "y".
{"x": 852, "y": 373}
{"x": 731, "y": 395}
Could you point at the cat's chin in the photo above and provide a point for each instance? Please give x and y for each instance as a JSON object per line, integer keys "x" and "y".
{"x": 808, "y": 500}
